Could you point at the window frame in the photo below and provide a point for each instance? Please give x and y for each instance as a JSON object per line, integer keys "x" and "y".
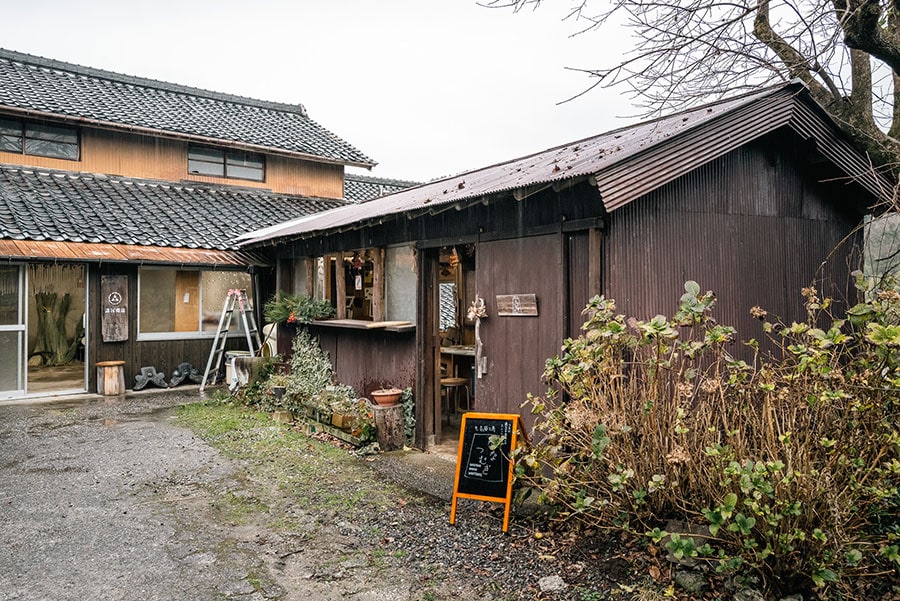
{"x": 203, "y": 155}
{"x": 199, "y": 334}
{"x": 31, "y": 131}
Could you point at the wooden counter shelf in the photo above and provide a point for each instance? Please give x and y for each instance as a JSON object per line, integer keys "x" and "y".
{"x": 364, "y": 324}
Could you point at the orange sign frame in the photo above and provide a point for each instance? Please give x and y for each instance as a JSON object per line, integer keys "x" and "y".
{"x": 488, "y": 424}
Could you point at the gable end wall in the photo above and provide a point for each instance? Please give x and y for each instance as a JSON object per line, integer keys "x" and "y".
{"x": 751, "y": 226}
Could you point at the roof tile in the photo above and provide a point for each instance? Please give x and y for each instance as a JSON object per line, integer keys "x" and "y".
{"x": 40, "y": 204}
{"x": 71, "y": 91}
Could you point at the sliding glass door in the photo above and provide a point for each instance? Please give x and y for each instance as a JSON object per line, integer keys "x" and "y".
{"x": 12, "y": 332}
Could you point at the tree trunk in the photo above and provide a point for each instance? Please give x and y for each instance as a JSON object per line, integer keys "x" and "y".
{"x": 389, "y": 427}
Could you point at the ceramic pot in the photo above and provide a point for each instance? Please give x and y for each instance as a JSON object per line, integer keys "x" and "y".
{"x": 387, "y": 397}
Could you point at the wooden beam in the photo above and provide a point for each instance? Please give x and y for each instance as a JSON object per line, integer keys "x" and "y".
{"x": 340, "y": 285}
{"x": 378, "y": 307}
{"x": 595, "y": 250}
{"x": 310, "y": 264}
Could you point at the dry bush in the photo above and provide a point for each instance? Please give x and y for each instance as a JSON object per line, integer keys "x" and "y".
{"x": 793, "y": 465}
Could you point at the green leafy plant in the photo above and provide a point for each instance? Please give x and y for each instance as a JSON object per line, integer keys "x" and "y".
{"x": 409, "y": 414}
{"x": 311, "y": 373}
{"x": 792, "y": 463}
{"x": 291, "y": 308}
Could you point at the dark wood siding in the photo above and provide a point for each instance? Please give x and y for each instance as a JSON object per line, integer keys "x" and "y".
{"x": 578, "y": 289}
{"x": 517, "y": 347}
{"x": 749, "y": 226}
{"x": 164, "y": 355}
{"x": 369, "y": 359}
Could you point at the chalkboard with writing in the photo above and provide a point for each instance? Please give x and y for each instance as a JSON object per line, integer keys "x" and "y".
{"x": 484, "y": 467}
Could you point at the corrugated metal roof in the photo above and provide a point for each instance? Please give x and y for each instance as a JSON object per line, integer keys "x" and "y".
{"x": 625, "y": 163}
{"x": 116, "y": 253}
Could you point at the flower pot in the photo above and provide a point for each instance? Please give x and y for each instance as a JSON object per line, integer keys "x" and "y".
{"x": 387, "y": 397}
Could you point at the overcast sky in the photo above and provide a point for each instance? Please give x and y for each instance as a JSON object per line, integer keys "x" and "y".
{"x": 426, "y": 88}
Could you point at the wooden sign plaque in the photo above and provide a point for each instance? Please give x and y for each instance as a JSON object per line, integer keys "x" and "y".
{"x": 114, "y": 307}
{"x": 517, "y": 305}
{"x": 484, "y": 464}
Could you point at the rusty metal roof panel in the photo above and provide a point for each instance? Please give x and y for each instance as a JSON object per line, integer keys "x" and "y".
{"x": 577, "y": 159}
{"x": 626, "y": 163}
{"x": 40, "y": 250}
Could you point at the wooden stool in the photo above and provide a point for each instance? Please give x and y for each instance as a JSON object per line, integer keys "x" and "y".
{"x": 110, "y": 378}
{"x": 451, "y": 384}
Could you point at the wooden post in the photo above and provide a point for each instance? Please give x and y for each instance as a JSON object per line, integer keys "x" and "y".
{"x": 310, "y": 264}
{"x": 378, "y": 309}
{"x": 340, "y": 287}
{"x": 595, "y": 261}
{"x": 389, "y": 427}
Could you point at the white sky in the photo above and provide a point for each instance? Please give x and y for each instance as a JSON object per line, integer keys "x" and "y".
{"x": 426, "y": 88}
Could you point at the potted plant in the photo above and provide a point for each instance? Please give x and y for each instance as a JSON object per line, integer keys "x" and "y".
{"x": 295, "y": 309}
{"x": 387, "y": 397}
{"x": 276, "y": 386}
{"x": 350, "y": 414}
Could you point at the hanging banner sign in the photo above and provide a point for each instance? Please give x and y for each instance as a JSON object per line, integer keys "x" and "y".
{"x": 114, "y": 307}
{"x": 484, "y": 463}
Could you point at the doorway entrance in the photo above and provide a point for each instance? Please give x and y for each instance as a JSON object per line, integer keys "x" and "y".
{"x": 56, "y": 338}
{"x": 456, "y": 364}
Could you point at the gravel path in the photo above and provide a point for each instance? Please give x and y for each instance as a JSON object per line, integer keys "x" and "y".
{"x": 109, "y": 499}
{"x": 80, "y": 509}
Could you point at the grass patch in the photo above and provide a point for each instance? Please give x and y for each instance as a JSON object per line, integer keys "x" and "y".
{"x": 318, "y": 475}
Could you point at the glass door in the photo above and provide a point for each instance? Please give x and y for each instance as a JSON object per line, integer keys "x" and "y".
{"x": 57, "y": 299}
{"x": 12, "y": 332}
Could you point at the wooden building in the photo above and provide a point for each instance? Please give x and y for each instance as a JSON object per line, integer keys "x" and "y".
{"x": 120, "y": 198}
{"x": 748, "y": 196}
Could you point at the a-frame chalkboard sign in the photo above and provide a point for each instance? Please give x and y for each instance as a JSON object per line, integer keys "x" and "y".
{"x": 484, "y": 464}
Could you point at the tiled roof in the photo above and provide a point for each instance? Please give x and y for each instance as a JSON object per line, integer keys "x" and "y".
{"x": 47, "y": 87}
{"x": 43, "y": 204}
{"x": 360, "y": 188}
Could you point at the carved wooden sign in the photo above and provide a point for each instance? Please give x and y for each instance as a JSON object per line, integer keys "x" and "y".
{"x": 517, "y": 304}
{"x": 114, "y": 307}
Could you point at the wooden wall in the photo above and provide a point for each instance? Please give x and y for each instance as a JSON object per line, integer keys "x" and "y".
{"x": 132, "y": 155}
{"x": 164, "y": 355}
{"x": 369, "y": 359}
{"x": 750, "y": 226}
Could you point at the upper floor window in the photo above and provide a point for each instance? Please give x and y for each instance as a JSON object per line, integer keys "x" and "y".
{"x": 38, "y": 139}
{"x": 219, "y": 162}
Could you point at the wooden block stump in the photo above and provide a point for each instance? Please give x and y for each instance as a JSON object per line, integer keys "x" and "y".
{"x": 110, "y": 378}
{"x": 389, "y": 427}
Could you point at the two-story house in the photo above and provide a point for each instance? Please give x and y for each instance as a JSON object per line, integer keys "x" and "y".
{"x": 120, "y": 198}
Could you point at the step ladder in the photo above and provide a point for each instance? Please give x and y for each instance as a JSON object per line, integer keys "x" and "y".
{"x": 237, "y": 298}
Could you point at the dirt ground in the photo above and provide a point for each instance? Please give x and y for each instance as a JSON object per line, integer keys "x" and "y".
{"x": 109, "y": 499}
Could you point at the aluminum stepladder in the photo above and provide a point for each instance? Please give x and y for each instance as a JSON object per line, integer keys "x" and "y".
{"x": 236, "y": 297}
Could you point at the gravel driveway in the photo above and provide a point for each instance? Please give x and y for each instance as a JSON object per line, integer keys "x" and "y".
{"x": 81, "y": 512}
{"x": 109, "y": 499}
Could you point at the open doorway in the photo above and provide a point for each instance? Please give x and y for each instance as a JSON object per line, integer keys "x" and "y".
{"x": 56, "y": 336}
{"x": 455, "y": 374}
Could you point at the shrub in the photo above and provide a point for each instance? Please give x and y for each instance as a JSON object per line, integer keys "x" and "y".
{"x": 311, "y": 372}
{"x": 793, "y": 465}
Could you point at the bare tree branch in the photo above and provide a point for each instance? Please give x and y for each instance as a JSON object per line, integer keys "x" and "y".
{"x": 847, "y": 52}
